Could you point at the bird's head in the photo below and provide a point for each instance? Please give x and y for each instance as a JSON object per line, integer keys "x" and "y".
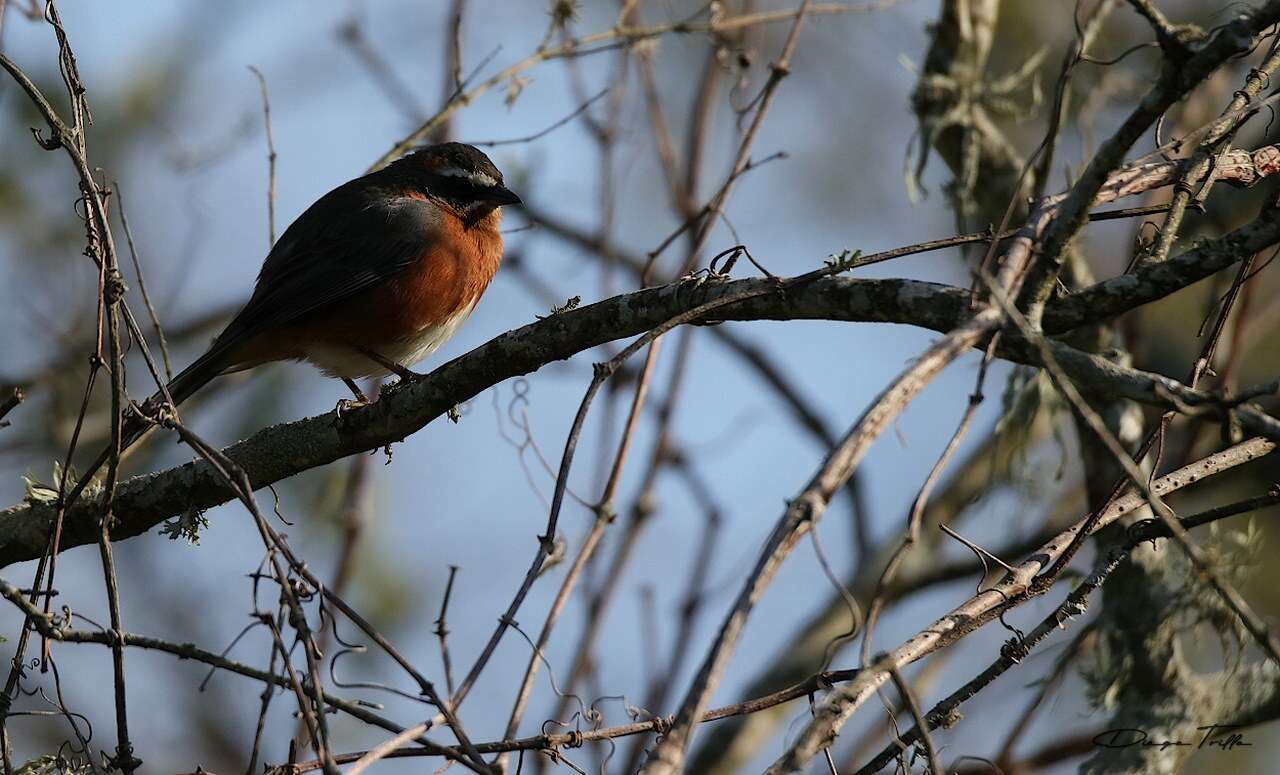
{"x": 462, "y": 176}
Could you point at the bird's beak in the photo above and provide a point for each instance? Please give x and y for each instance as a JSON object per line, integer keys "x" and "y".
{"x": 501, "y": 195}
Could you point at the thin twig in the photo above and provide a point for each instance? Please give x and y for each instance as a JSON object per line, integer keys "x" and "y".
{"x": 442, "y": 630}
{"x": 387, "y": 747}
{"x": 453, "y": 83}
{"x": 268, "y": 692}
{"x": 142, "y": 283}
{"x": 541, "y": 133}
{"x": 271, "y": 157}
{"x": 909, "y": 699}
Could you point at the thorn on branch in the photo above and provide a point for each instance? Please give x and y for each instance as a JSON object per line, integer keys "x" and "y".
{"x": 555, "y": 549}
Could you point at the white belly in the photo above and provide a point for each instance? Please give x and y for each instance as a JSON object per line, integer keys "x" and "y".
{"x": 337, "y": 360}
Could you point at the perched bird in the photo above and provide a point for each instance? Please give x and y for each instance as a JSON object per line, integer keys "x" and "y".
{"x": 369, "y": 280}
{"x": 374, "y": 276}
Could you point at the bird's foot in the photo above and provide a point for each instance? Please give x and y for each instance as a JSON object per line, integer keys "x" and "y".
{"x": 345, "y": 405}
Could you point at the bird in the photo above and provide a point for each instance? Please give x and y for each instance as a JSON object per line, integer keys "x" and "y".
{"x": 374, "y": 276}
{"x": 369, "y": 280}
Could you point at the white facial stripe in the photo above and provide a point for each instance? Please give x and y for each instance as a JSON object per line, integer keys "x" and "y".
{"x": 479, "y": 178}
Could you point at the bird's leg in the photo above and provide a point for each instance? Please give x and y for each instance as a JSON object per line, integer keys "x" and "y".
{"x": 404, "y": 374}
{"x": 359, "y": 394}
{"x": 345, "y": 404}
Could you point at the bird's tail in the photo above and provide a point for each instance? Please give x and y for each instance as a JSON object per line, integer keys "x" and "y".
{"x": 179, "y": 389}
{"x": 195, "y": 376}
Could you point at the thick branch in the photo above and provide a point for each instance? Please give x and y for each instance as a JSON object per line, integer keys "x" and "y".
{"x": 1126, "y": 292}
{"x": 281, "y": 451}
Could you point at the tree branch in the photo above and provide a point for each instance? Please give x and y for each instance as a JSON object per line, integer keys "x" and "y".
{"x": 284, "y": 450}
{"x": 1014, "y": 588}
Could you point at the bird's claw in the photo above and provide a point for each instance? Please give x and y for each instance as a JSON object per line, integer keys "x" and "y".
{"x": 345, "y": 405}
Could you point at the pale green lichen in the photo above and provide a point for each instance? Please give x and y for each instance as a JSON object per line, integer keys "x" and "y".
{"x": 38, "y": 493}
{"x": 186, "y": 526}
